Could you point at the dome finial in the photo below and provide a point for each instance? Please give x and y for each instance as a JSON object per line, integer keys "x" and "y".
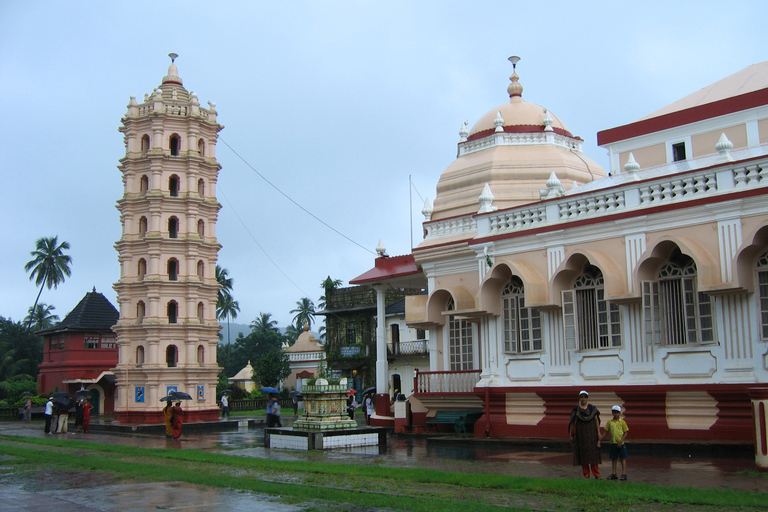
{"x": 174, "y": 56}
{"x": 173, "y": 71}
{"x": 514, "y": 89}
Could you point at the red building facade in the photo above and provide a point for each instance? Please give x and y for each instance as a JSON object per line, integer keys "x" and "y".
{"x": 79, "y": 352}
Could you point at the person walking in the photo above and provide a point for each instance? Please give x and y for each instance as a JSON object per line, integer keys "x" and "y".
{"x": 224, "y": 406}
{"x": 584, "y": 429}
{"x": 27, "y": 415}
{"x": 168, "y": 417}
{"x": 270, "y": 416}
{"x": 276, "y": 413}
{"x": 351, "y": 406}
{"x": 48, "y": 414}
{"x": 369, "y": 408}
{"x": 177, "y": 420}
{"x": 79, "y": 414}
{"x": 617, "y": 429}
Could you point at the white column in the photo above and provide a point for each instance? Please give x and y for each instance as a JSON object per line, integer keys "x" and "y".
{"x": 382, "y": 366}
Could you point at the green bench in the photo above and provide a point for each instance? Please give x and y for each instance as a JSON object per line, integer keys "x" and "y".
{"x": 459, "y": 419}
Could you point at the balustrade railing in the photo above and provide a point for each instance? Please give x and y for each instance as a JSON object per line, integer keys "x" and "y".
{"x": 624, "y": 197}
{"x": 408, "y": 348}
{"x": 462, "y": 381}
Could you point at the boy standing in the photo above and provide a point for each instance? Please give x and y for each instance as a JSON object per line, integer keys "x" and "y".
{"x": 617, "y": 429}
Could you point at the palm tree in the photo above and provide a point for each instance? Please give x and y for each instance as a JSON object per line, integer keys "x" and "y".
{"x": 264, "y": 323}
{"x": 228, "y": 308}
{"x": 291, "y": 334}
{"x": 42, "y": 317}
{"x": 225, "y": 283}
{"x": 49, "y": 265}
{"x": 305, "y": 312}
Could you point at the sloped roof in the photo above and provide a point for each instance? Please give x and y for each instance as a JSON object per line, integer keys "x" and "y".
{"x": 93, "y": 313}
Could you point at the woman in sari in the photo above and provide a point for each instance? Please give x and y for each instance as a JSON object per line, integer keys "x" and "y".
{"x": 168, "y": 416}
{"x": 177, "y": 419}
{"x": 584, "y": 429}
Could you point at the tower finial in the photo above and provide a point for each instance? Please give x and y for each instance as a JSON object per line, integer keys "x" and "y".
{"x": 515, "y": 89}
{"x": 174, "y": 56}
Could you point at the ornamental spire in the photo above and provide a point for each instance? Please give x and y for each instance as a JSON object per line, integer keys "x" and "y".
{"x": 514, "y": 89}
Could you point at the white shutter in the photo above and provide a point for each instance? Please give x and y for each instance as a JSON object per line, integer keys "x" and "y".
{"x": 570, "y": 324}
{"x": 651, "y": 313}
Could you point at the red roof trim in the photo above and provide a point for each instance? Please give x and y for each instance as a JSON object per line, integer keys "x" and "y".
{"x": 681, "y": 117}
{"x": 387, "y": 268}
{"x": 521, "y": 128}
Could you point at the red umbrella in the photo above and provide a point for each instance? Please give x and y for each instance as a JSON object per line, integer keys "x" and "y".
{"x": 351, "y": 392}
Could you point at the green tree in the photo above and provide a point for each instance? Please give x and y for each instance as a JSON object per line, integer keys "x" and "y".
{"x": 20, "y": 351}
{"x": 271, "y": 368}
{"x": 291, "y": 334}
{"x": 49, "y": 264}
{"x": 229, "y": 308}
{"x": 225, "y": 283}
{"x": 41, "y": 317}
{"x": 264, "y": 323}
{"x": 327, "y": 285}
{"x": 305, "y": 313}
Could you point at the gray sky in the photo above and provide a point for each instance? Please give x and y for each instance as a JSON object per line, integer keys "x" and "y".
{"x": 336, "y": 103}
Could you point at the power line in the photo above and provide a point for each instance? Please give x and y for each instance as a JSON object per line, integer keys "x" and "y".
{"x": 294, "y": 202}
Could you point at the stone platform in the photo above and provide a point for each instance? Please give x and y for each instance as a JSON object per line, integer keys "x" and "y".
{"x": 290, "y": 439}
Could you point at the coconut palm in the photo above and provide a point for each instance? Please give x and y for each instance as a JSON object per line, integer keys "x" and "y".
{"x": 42, "y": 317}
{"x": 228, "y": 308}
{"x": 264, "y": 323}
{"x": 49, "y": 265}
{"x": 305, "y": 312}
{"x": 225, "y": 283}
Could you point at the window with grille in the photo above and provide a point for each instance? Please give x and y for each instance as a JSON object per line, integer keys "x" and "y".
{"x": 460, "y": 351}
{"x": 521, "y": 325}
{"x": 674, "y": 311}
{"x": 590, "y": 321}
{"x": 91, "y": 342}
{"x": 762, "y": 293}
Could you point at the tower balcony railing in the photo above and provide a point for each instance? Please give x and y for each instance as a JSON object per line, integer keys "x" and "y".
{"x": 296, "y": 357}
{"x": 408, "y": 348}
{"x": 460, "y": 381}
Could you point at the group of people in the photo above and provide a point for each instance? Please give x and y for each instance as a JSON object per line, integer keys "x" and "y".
{"x": 367, "y": 405}
{"x": 60, "y": 424}
{"x": 174, "y": 419}
{"x": 586, "y": 436}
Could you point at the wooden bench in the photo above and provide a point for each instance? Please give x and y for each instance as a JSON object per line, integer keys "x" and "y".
{"x": 459, "y": 419}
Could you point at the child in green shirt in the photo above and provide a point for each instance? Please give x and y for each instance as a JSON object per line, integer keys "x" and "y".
{"x": 617, "y": 429}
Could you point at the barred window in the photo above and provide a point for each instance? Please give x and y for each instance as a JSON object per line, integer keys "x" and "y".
{"x": 762, "y": 293}
{"x": 590, "y": 321}
{"x": 460, "y": 350}
{"x": 91, "y": 342}
{"x": 674, "y": 311}
{"x": 521, "y": 325}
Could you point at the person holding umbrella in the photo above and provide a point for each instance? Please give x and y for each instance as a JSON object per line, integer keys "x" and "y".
{"x": 177, "y": 419}
{"x": 168, "y": 417}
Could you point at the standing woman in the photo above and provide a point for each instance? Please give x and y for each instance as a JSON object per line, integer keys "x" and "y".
{"x": 584, "y": 429}
{"x": 177, "y": 420}
{"x": 86, "y": 415}
{"x": 168, "y": 417}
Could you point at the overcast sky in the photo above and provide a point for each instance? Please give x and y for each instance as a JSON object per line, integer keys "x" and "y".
{"x": 335, "y": 103}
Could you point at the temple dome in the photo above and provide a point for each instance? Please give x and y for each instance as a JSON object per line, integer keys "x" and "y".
{"x": 514, "y": 148}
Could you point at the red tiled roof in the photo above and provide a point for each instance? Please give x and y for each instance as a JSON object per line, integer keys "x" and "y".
{"x": 388, "y": 268}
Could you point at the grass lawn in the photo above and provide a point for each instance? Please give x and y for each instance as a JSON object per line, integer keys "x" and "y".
{"x": 346, "y": 487}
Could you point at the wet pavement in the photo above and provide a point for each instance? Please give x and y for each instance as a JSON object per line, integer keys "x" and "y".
{"x": 684, "y": 466}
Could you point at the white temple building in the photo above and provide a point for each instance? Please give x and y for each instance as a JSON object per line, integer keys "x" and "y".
{"x": 646, "y": 285}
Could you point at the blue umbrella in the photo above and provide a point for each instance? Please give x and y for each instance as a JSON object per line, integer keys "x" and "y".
{"x": 270, "y": 390}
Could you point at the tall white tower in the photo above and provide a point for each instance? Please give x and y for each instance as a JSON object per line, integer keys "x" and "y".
{"x": 167, "y": 332}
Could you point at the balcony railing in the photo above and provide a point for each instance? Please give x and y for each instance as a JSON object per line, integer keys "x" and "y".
{"x": 463, "y": 381}
{"x": 408, "y": 348}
